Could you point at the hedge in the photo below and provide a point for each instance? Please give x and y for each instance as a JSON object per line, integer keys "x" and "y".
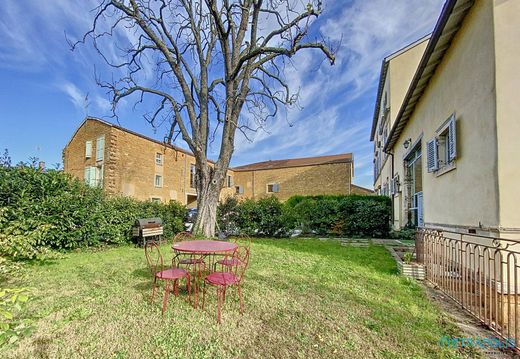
{"x": 42, "y": 211}
{"x": 352, "y": 215}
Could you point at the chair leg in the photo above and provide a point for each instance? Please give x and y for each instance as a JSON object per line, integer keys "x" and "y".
{"x": 240, "y": 299}
{"x": 188, "y": 280}
{"x": 219, "y": 304}
{"x": 203, "y": 295}
{"x": 154, "y": 287}
{"x": 165, "y": 298}
{"x": 176, "y": 287}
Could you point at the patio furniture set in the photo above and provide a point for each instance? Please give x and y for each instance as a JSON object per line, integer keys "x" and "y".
{"x": 200, "y": 263}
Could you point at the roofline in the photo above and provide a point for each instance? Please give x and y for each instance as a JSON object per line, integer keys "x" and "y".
{"x": 382, "y": 78}
{"x": 364, "y": 188}
{"x": 179, "y": 149}
{"x": 346, "y": 160}
{"x": 176, "y": 148}
{"x": 407, "y": 107}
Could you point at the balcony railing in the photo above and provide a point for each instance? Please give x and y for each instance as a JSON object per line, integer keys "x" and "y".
{"x": 480, "y": 273}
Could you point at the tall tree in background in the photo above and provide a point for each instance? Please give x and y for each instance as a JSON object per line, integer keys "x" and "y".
{"x": 210, "y": 59}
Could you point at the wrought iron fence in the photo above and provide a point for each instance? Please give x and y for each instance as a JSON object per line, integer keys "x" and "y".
{"x": 480, "y": 273}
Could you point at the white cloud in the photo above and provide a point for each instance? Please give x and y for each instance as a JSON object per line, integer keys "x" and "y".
{"x": 75, "y": 95}
{"x": 336, "y": 100}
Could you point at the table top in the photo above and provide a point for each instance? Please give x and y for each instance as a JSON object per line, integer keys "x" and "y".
{"x": 204, "y": 246}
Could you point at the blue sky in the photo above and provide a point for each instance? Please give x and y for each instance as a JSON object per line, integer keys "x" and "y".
{"x": 43, "y": 84}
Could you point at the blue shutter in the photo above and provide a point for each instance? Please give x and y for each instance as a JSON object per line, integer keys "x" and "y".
{"x": 100, "y": 148}
{"x": 92, "y": 181}
{"x": 432, "y": 158}
{"x": 452, "y": 139}
{"x": 88, "y": 149}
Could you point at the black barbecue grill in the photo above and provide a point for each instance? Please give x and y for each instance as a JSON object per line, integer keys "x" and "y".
{"x": 148, "y": 229}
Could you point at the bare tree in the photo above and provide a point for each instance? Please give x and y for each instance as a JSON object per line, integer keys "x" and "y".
{"x": 210, "y": 58}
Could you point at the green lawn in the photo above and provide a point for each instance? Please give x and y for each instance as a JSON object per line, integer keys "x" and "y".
{"x": 304, "y": 299}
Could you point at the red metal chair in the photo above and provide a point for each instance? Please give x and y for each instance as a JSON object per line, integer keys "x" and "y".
{"x": 232, "y": 277}
{"x": 241, "y": 241}
{"x": 156, "y": 265}
{"x": 186, "y": 259}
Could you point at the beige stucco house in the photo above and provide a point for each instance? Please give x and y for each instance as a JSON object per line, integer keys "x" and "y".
{"x": 453, "y": 148}
{"x": 127, "y": 163}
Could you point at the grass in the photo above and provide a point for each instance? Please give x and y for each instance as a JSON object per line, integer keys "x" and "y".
{"x": 304, "y": 299}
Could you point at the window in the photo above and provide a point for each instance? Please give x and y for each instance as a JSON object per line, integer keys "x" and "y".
{"x": 94, "y": 176}
{"x": 158, "y": 181}
{"x": 158, "y": 159}
{"x": 413, "y": 182}
{"x": 155, "y": 199}
{"x": 239, "y": 190}
{"x": 88, "y": 149}
{"x": 442, "y": 149}
{"x": 229, "y": 181}
{"x": 100, "y": 148}
{"x": 193, "y": 172}
{"x": 273, "y": 188}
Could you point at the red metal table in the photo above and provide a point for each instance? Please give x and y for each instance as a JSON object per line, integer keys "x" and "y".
{"x": 203, "y": 248}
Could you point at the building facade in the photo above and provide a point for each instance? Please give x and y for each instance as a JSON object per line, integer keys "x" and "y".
{"x": 130, "y": 164}
{"x": 455, "y": 156}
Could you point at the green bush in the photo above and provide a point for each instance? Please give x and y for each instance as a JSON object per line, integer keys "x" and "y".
{"x": 42, "y": 211}
{"x": 352, "y": 215}
{"x": 11, "y": 326}
{"x": 264, "y": 217}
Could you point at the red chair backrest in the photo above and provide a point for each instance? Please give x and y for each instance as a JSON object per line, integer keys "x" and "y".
{"x": 182, "y": 236}
{"x": 153, "y": 257}
{"x": 242, "y": 254}
{"x": 242, "y": 240}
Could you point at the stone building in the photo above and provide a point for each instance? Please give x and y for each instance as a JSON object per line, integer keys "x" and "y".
{"x": 128, "y": 163}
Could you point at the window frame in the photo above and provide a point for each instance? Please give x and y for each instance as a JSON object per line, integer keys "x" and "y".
{"x": 274, "y": 185}
{"x": 160, "y": 181}
{"x": 443, "y": 148}
{"x": 100, "y": 150}
{"x": 158, "y": 158}
{"x": 88, "y": 149}
{"x": 193, "y": 175}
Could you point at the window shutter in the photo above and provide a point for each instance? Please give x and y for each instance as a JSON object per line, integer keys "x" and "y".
{"x": 452, "y": 139}
{"x": 87, "y": 175}
{"x": 92, "y": 176}
{"x": 392, "y": 187}
{"x": 432, "y": 155}
{"x": 100, "y": 176}
{"x": 276, "y": 188}
{"x": 100, "y": 148}
{"x": 88, "y": 149}
{"x": 240, "y": 189}
{"x": 231, "y": 182}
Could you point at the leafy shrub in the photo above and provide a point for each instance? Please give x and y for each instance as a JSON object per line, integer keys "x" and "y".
{"x": 42, "y": 211}
{"x": 227, "y": 215}
{"x": 12, "y": 327}
{"x": 352, "y": 215}
{"x": 407, "y": 233}
{"x": 265, "y": 216}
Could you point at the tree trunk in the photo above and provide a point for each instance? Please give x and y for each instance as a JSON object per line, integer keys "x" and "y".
{"x": 208, "y": 191}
